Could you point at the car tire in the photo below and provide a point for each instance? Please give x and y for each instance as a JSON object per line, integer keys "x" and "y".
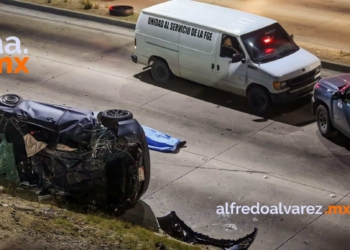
{"x": 10, "y": 100}
{"x": 160, "y": 72}
{"x": 110, "y": 118}
{"x": 259, "y": 100}
{"x": 324, "y": 122}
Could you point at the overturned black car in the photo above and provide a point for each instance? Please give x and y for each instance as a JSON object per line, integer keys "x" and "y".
{"x": 99, "y": 158}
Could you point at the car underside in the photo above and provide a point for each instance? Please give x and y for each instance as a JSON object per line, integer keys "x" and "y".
{"x": 99, "y": 159}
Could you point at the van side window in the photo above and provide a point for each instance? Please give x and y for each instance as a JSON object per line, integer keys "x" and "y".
{"x": 229, "y": 46}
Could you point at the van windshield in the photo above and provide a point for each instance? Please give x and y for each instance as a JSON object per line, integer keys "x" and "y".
{"x": 269, "y": 44}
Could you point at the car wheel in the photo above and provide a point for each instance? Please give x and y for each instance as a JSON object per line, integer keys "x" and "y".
{"x": 160, "y": 71}
{"x": 259, "y": 100}
{"x": 324, "y": 123}
{"x": 10, "y": 100}
{"x": 111, "y": 117}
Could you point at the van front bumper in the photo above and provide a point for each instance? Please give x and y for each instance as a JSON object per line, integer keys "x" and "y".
{"x": 294, "y": 94}
{"x": 134, "y": 58}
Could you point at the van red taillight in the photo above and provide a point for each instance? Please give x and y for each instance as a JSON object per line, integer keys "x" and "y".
{"x": 317, "y": 85}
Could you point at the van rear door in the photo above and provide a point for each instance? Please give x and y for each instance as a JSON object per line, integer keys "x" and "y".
{"x": 197, "y": 52}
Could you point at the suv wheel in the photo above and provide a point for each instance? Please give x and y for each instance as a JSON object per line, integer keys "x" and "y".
{"x": 259, "y": 100}
{"x": 10, "y": 100}
{"x": 324, "y": 122}
{"x": 160, "y": 71}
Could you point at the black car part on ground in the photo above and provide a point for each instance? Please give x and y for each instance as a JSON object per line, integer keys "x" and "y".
{"x": 65, "y": 150}
{"x": 175, "y": 227}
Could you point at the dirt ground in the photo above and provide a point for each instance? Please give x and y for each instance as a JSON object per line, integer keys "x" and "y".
{"x": 55, "y": 224}
{"x": 328, "y": 54}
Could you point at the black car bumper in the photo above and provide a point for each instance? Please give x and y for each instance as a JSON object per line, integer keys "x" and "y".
{"x": 134, "y": 58}
{"x": 294, "y": 94}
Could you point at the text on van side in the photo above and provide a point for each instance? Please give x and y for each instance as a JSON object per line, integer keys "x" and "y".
{"x": 180, "y": 28}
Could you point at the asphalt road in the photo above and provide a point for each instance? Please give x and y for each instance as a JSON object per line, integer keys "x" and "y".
{"x": 229, "y": 151}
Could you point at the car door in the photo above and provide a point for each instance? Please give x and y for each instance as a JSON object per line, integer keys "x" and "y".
{"x": 230, "y": 76}
{"x": 341, "y": 110}
{"x": 197, "y": 53}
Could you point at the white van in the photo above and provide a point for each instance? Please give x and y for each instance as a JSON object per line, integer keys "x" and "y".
{"x": 192, "y": 40}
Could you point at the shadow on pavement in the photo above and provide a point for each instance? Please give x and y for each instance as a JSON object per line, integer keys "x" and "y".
{"x": 297, "y": 113}
{"x": 339, "y": 146}
{"x": 341, "y": 140}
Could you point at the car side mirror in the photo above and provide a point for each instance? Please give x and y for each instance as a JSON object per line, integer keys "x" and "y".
{"x": 336, "y": 95}
{"x": 236, "y": 58}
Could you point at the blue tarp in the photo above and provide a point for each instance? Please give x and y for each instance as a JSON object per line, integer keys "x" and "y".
{"x": 159, "y": 141}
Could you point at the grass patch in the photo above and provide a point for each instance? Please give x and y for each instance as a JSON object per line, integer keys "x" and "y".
{"x": 77, "y": 225}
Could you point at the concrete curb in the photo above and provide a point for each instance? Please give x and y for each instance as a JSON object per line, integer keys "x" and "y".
{"x": 70, "y": 13}
{"x": 74, "y": 14}
{"x": 335, "y": 66}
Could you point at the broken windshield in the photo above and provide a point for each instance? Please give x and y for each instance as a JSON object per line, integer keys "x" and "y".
{"x": 269, "y": 44}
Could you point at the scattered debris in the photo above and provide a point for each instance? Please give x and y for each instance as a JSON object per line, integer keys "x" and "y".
{"x": 265, "y": 177}
{"x": 44, "y": 197}
{"x": 333, "y": 196}
{"x": 24, "y": 207}
{"x": 2, "y": 189}
{"x": 225, "y": 216}
{"x": 230, "y": 227}
{"x": 255, "y": 219}
{"x": 5, "y": 205}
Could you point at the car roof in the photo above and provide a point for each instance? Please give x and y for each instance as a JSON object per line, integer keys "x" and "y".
{"x": 53, "y": 117}
{"x": 212, "y": 16}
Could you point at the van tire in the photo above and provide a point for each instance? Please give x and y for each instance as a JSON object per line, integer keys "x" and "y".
{"x": 160, "y": 71}
{"x": 259, "y": 100}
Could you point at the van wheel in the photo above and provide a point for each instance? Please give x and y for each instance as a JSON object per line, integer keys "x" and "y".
{"x": 259, "y": 100}
{"x": 160, "y": 71}
{"x": 324, "y": 123}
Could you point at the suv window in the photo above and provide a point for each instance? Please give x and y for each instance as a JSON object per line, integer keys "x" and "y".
{"x": 347, "y": 96}
{"x": 229, "y": 46}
